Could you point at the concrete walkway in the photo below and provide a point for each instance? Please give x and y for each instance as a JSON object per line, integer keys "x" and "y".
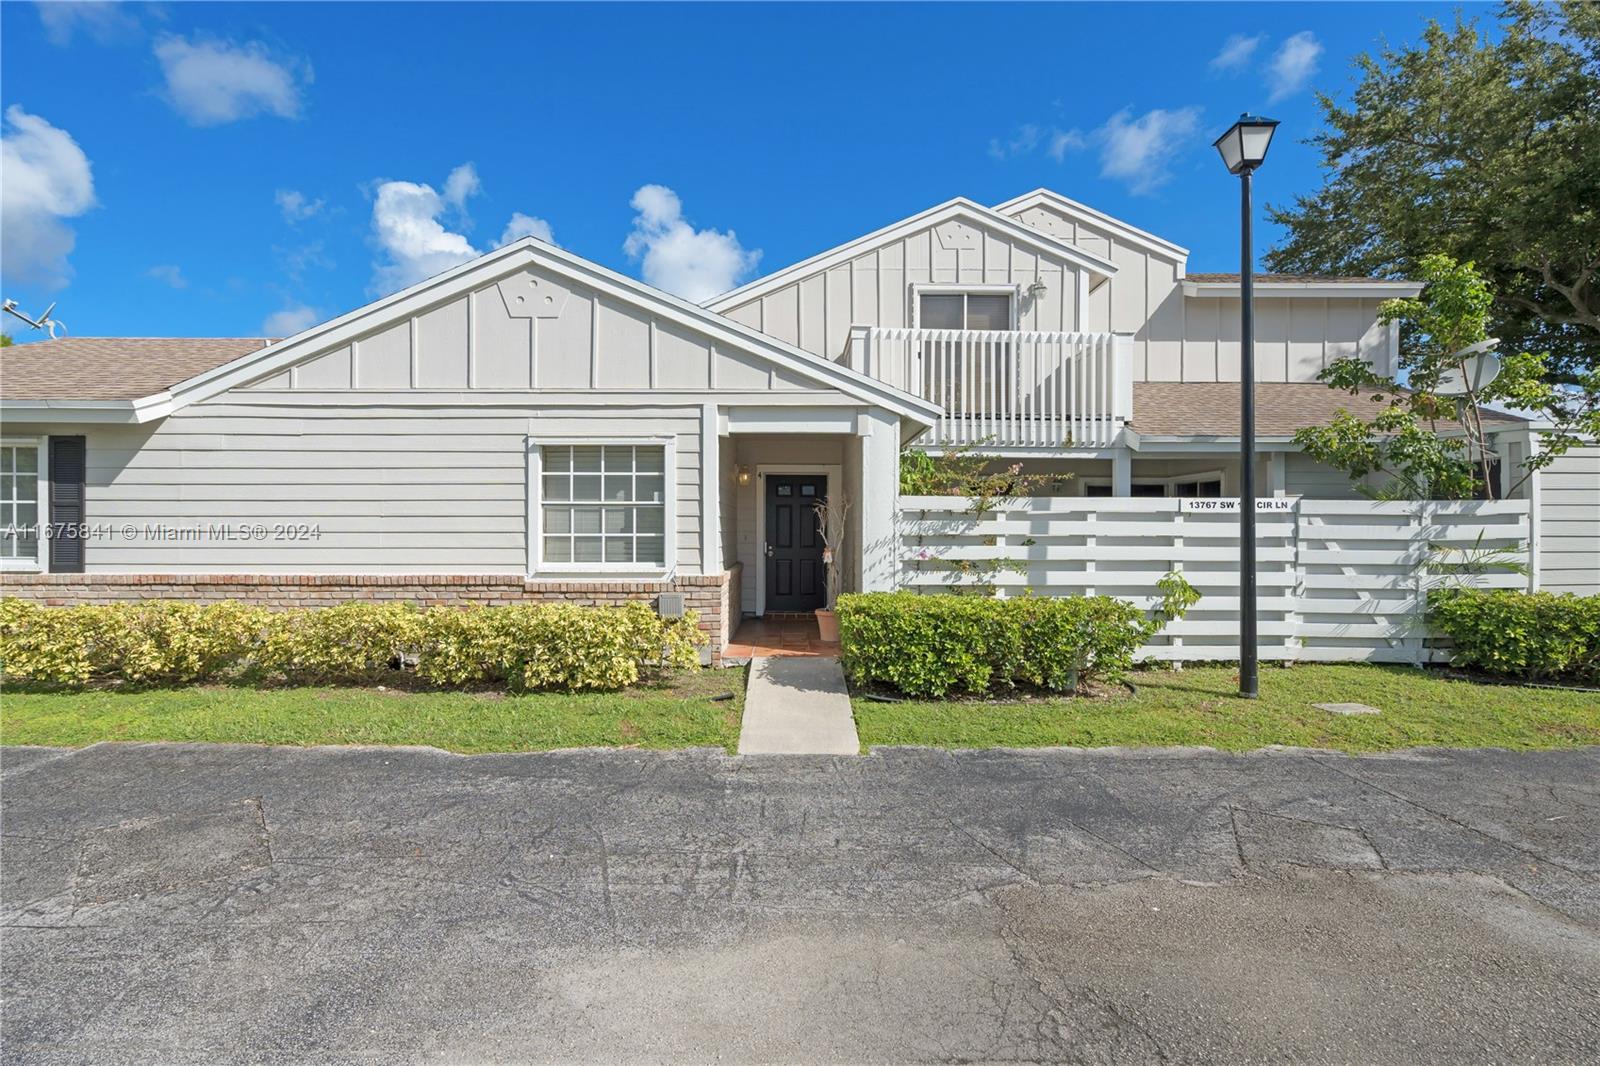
{"x": 797, "y": 706}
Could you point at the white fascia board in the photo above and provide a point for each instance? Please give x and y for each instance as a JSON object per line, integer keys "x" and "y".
{"x": 113, "y": 412}
{"x": 1132, "y": 234}
{"x": 1375, "y": 289}
{"x": 1148, "y": 444}
{"x": 960, "y": 207}
{"x": 529, "y": 251}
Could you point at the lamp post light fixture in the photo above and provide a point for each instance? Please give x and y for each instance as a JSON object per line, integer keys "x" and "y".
{"x": 1243, "y": 148}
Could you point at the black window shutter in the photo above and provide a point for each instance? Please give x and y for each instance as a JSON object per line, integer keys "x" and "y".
{"x": 68, "y": 457}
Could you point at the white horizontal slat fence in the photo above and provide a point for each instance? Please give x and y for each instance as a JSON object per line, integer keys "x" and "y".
{"x": 1336, "y": 579}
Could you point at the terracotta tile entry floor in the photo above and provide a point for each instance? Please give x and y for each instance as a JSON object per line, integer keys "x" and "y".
{"x": 763, "y": 636}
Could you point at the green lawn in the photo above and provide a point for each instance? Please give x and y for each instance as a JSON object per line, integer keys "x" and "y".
{"x": 675, "y": 715}
{"x": 1196, "y": 706}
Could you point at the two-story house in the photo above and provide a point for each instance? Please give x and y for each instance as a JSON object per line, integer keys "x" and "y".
{"x": 531, "y": 425}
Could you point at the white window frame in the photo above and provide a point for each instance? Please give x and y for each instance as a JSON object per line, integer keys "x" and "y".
{"x": 1167, "y": 483}
{"x": 920, "y": 289}
{"x": 538, "y": 568}
{"x": 41, "y": 562}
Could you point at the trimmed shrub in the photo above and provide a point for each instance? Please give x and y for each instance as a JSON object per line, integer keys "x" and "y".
{"x": 553, "y": 646}
{"x": 350, "y": 642}
{"x": 1534, "y": 636}
{"x": 942, "y": 645}
{"x": 535, "y": 646}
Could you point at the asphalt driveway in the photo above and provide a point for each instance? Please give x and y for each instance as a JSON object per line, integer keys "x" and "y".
{"x": 175, "y": 904}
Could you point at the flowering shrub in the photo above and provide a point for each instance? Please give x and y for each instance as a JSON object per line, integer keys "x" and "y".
{"x": 535, "y": 646}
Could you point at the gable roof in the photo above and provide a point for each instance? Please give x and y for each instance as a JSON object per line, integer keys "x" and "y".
{"x": 112, "y": 368}
{"x": 958, "y": 208}
{"x": 527, "y": 251}
{"x": 1043, "y": 197}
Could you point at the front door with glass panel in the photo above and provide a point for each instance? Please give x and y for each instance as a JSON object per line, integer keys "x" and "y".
{"x": 794, "y": 542}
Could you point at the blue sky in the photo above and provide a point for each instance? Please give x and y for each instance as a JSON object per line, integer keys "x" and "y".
{"x": 212, "y": 170}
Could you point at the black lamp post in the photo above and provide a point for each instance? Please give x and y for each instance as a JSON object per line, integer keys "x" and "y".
{"x": 1243, "y": 148}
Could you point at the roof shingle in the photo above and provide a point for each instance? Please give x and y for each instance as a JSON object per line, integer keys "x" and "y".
{"x": 112, "y": 368}
{"x": 1211, "y": 408}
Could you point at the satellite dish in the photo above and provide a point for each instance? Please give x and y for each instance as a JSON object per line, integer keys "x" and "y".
{"x": 1478, "y": 366}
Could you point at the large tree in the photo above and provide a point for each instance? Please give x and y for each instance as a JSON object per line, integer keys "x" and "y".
{"x": 1483, "y": 147}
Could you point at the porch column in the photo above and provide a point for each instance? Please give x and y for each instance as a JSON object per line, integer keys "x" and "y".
{"x": 880, "y": 500}
{"x": 1122, "y": 472}
{"x": 710, "y": 492}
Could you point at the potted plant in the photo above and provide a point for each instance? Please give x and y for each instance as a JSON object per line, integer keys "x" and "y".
{"x": 832, "y": 511}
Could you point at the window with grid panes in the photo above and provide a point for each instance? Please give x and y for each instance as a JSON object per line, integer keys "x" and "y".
{"x": 603, "y": 504}
{"x": 19, "y": 504}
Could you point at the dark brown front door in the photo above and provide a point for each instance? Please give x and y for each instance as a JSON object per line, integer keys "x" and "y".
{"x": 794, "y": 542}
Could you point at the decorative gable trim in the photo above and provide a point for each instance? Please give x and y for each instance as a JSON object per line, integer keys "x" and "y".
{"x": 959, "y": 209}
{"x": 606, "y": 284}
{"x": 1072, "y": 209}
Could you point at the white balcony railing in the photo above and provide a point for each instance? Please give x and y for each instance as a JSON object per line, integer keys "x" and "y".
{"x": 1004, "y": 387}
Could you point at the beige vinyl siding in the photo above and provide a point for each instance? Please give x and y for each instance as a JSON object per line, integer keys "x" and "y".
{"x": 392, "y": 489}
{"x": 1569, "y": 517}
{"x": 816, "y": 311}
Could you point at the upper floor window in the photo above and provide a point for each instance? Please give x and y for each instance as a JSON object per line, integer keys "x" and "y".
{"x": 964, "y": 310}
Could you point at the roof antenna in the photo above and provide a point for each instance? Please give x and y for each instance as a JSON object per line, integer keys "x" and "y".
{"x": 44, "y": 321}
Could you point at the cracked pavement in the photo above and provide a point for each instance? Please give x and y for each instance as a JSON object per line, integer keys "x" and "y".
{"x": 184, "y": 903}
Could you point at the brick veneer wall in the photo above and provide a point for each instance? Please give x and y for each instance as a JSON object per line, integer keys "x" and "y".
{"x": 707, "y": 596}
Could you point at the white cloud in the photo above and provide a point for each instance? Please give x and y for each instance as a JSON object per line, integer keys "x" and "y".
{"x": 1062, "y": 142}
{"x": 288, "y": 321}
{"x": 1293, "y": 65}
{"x": 416, "y": 246}
{"x": 1024, "y": 140}
{"x": 47, "y": 179}
{"x": 168, "y": 274}
{"x": 1028, "y": 138}
{"x": 1236, "y": 52}
{"x": 103, "y": 22}
{"x": 210, "y": 82}
{"x": 694, "y": 264}
{"x": 298, "y": 259}
{"x": 522, "y": 225}
{"x": 414, "y": 243}
{"x": 462, "y": 183}
{"x": 296, "y": 206}
{"x": 1140, "y": 150}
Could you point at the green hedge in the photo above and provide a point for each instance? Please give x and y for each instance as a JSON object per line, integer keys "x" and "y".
{"x": 968, "y": 645}
{"x": 1536, "y": 636}
{"x": 536, "y": 646}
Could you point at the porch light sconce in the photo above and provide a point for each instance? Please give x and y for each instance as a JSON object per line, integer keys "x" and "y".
{"x": 1244, "y": 148}
{"x": 742, "y": 475}
{"x": 1037, "y": 290}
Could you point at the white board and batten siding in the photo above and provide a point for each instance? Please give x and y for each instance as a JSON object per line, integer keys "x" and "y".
{"x": 815, "y": 311}
{"x": 407, "y": 449}
{"x": 1337, "y": 579}
{"x": 1569, "y": 517}
{"x": 1196, "y": 338}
